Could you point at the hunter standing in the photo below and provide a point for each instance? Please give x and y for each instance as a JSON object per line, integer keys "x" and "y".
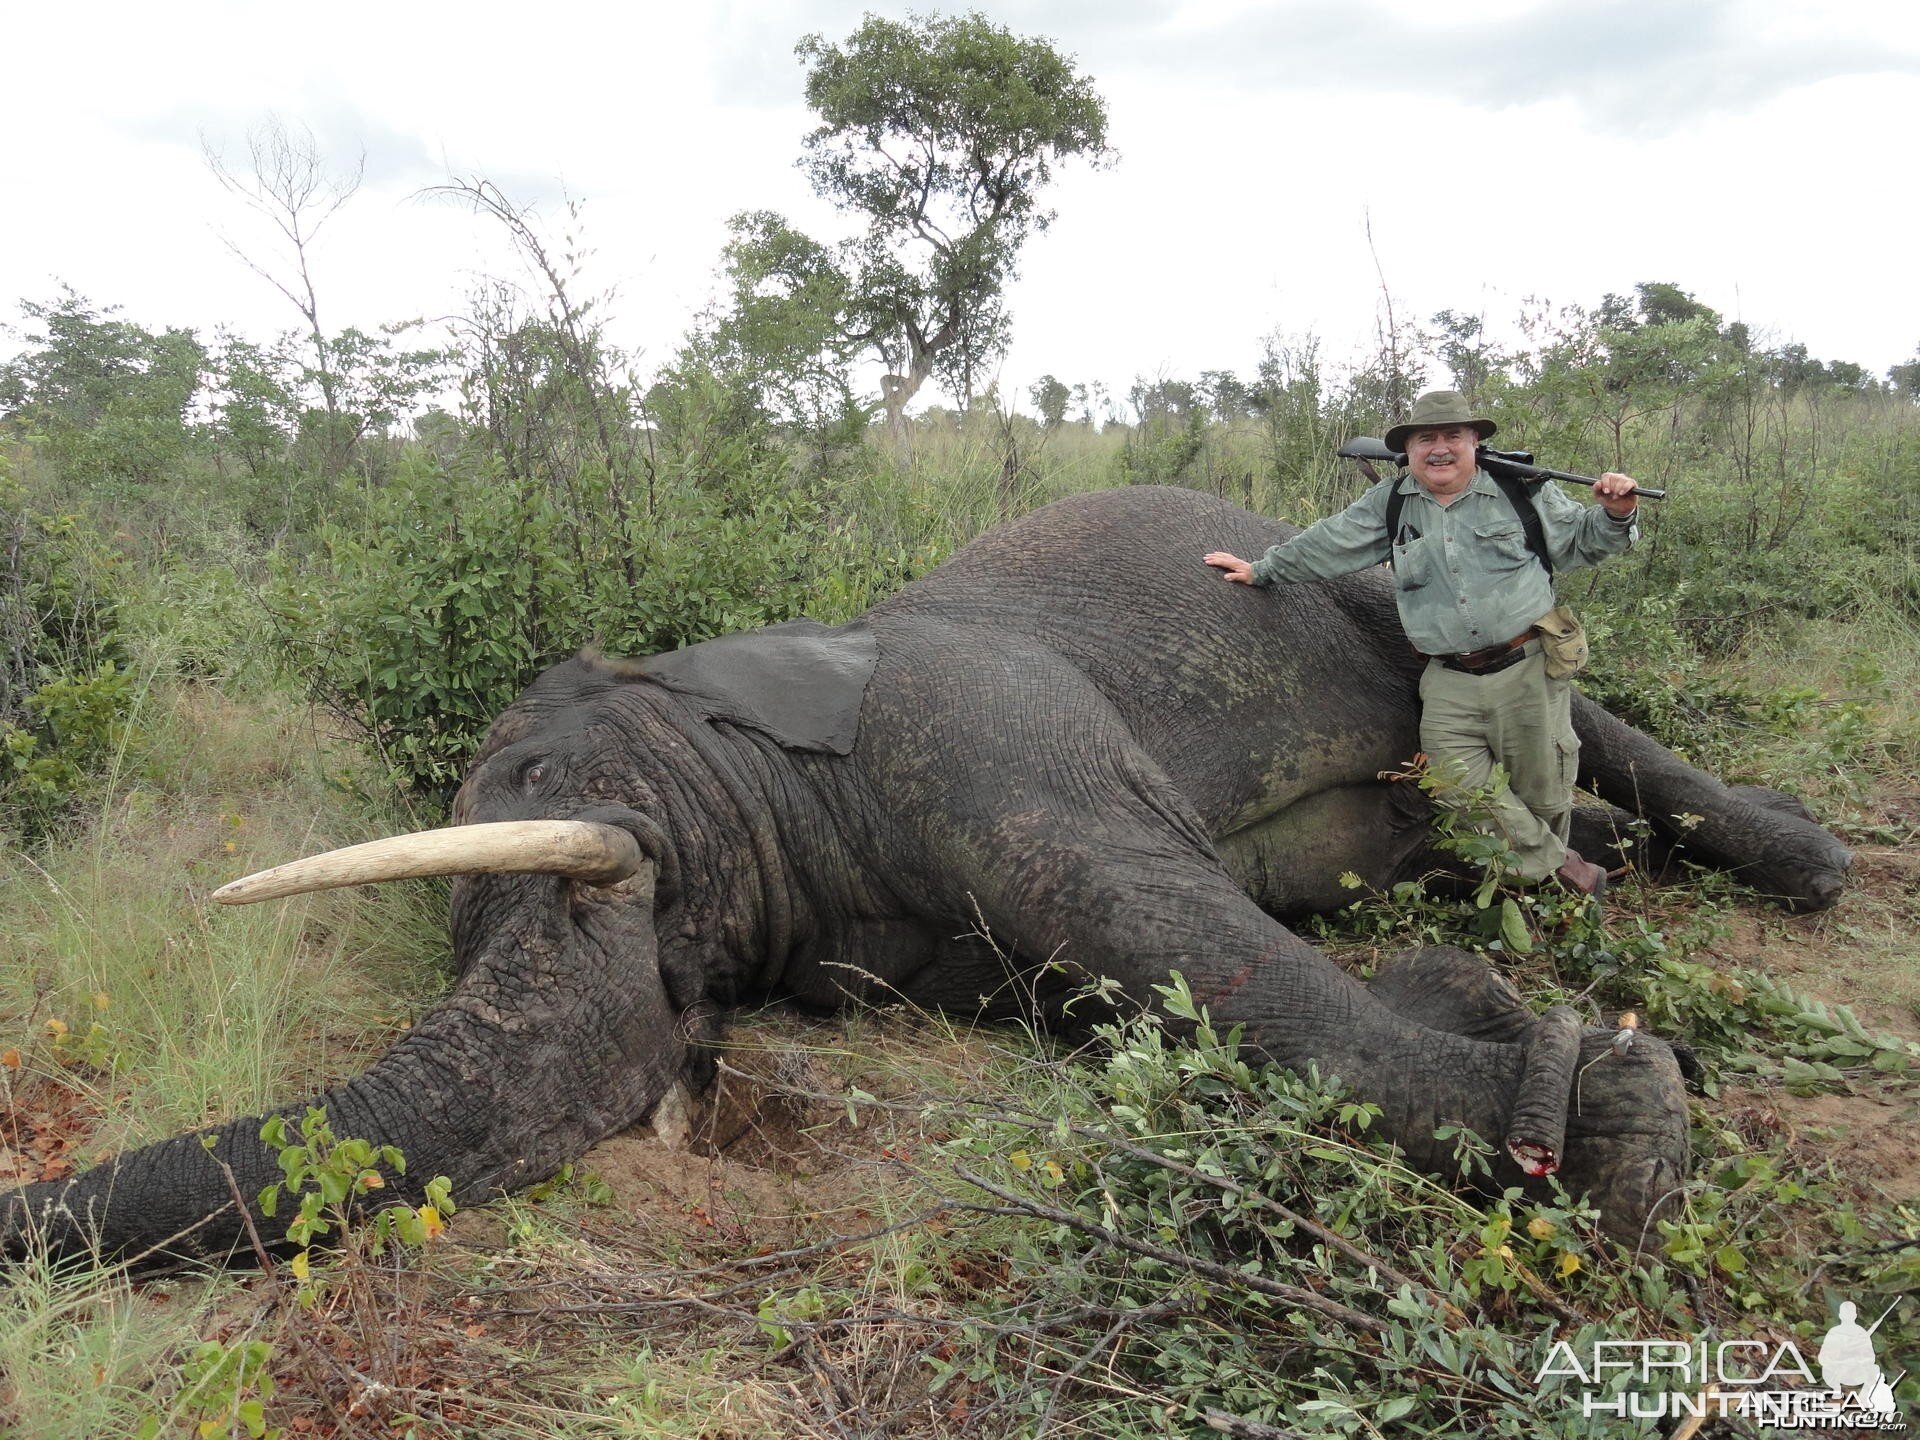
{"x": 1476, "y": 598}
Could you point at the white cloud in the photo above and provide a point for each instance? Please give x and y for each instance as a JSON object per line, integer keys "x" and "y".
{"x": 1255, "y": 141}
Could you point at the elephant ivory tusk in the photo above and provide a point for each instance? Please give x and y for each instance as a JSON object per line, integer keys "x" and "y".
{"x": 1537, "y": 1129}
{"x": 583, "y": 850}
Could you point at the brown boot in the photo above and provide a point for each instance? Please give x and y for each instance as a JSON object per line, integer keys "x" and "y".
{"x": 1582, "y": 875}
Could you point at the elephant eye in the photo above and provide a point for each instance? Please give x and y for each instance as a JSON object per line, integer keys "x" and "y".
{"x": 534, "y": 773}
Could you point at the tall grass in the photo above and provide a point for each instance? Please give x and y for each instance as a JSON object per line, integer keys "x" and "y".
{"x": 172, "y": 1011}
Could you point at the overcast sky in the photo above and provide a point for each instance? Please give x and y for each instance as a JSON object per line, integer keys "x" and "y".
{"x": 1758, "y": 154}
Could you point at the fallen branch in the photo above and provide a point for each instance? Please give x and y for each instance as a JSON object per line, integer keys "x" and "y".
{"x": 1222, "y": 1274}
{"x": 1450, "y": 1312}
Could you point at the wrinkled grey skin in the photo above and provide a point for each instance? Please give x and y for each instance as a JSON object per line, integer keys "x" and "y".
{"x": 1073, "y": 732}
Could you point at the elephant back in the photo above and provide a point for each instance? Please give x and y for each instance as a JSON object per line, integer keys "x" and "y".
{"x": 1317, "y": 679}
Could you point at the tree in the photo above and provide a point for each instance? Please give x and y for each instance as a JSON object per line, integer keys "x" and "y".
{"x": 1905, "y": 379}
{"x": 1792, "y": 368}
{"x": 1163, "y": 400}
{"x": 940, "y": 133}
{"x": 1226, "y": 395}
{"x": 1662, "y": 303}
{"x": 110, "y": 397}
{"x": 288, "y": 184}
{"x": 1050, "y": 396}
{"x": 1463, "y": 348}
{"x": 783, "y": 331}
{"x": 256, "y": 407}
{"x": 1089, "y": 401}
{"x": 553, "y": 392}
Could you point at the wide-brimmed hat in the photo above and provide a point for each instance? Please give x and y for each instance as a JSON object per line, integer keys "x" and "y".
{"x": 1435, "y": 410}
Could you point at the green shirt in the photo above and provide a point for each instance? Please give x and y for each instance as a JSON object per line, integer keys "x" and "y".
{"x": 1462, "y": 572}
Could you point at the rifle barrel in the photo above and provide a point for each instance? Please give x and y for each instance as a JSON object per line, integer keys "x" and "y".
{"x": 1545, "y": 472}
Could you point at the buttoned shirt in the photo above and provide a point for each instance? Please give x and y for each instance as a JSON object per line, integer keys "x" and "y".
{"x": 1462, "y": 572}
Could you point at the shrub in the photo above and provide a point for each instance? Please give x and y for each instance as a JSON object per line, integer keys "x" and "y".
{"x": 65, "y": 695}
{"x": 431, "y": 610}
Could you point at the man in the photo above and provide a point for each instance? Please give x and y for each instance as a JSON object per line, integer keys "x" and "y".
{"x": 1471, "y": 597}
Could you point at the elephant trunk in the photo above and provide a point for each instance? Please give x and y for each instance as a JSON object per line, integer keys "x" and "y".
{"x": 558, "y": 1032}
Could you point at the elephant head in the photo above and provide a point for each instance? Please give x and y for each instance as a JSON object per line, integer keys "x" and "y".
{"x": 613, "y": 876}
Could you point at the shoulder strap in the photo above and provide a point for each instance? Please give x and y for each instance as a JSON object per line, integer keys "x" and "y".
{"x": 1396, "y": 502}
{"x": 1521, "y": 498}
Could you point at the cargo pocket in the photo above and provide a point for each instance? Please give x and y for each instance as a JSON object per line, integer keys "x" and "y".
{"x": 1564, "y": 643}
{"x": 1566, "y": 755}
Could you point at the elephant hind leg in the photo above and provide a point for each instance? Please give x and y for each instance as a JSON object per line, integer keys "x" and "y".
{"x": 1764, "y": 838}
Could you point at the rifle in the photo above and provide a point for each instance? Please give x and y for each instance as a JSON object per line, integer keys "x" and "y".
{"x": 1517, "y": 463}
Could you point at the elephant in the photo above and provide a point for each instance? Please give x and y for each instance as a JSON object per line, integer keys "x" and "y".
{"x": 1069, "y": 753}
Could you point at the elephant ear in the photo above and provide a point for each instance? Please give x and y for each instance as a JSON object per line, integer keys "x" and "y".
{"x": 800, "y": 683}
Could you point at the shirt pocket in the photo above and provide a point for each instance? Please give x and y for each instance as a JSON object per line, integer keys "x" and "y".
{"x": 1503, "y": 546}
{"x": 1413, "y": 563}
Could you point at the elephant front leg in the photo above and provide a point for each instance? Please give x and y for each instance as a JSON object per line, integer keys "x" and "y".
{"x": 1773, "y": 847}
{"x": 1136, "y": 908}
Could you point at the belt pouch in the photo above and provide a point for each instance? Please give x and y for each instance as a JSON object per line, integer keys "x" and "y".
{"x": 1563, "y": 643}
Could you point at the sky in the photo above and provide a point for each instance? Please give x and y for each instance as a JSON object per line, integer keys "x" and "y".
{"x": 1280, "y": 166}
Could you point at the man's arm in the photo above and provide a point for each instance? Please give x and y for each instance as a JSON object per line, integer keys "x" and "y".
{"x": 1579, "y": 535}
{"x": 1337, "y": 545}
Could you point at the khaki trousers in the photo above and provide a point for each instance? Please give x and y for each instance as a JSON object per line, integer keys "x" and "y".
{"x": 1522, "y": 721}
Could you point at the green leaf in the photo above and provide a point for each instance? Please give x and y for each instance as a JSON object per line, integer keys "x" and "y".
{"x": 1513, "y": 928}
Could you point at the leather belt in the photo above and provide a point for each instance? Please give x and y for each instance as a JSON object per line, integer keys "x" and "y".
{"x": 1493, "y": 659}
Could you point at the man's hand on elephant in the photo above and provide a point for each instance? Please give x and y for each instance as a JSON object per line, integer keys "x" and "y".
{"x": 1236, "y": 569}
{"x": 1618, "y": 493}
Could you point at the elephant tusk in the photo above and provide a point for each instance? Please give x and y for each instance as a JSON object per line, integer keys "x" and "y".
{"x": 1537, "y": 1128}
{"x": 581, "y": 849}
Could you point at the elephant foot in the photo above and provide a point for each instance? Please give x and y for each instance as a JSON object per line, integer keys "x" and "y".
{"x": 1627, "y": 1142}
{"x": 1604, "y": 1110}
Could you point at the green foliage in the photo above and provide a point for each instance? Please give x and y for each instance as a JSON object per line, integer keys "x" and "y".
{"x": 329, "y": 1178}
{"x": 422, "y": 620}
{"x": 108, "y": 397}
{"x": 1306, "y": 413}
{"x": 940, "y": 133}
{"x": 783, "y": 335}
{"x": 79, "y": 725}
{"x": 1161, "y": 451}
{"x": 436, "y": 605}
{"x": 1176, "y": 1191}
{"x": 66, "y": 698}
{"x": 224, "y": 1389}
{"x": 1050, "y": 396}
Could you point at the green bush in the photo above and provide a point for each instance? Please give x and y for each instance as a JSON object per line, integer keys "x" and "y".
{"x": 429, "y": 611}
{"x": 65, "y": 694}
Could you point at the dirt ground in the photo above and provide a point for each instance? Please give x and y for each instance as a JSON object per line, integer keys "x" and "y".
{"x": 1864, "y": 954}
